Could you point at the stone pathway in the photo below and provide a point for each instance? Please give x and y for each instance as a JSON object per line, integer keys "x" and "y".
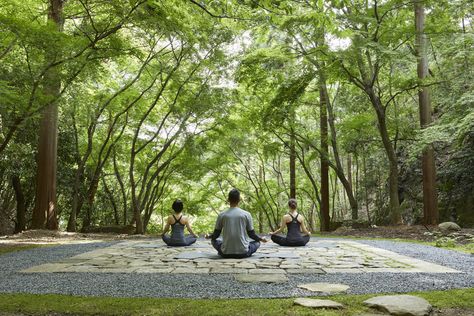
{"x": 318, "y": 257}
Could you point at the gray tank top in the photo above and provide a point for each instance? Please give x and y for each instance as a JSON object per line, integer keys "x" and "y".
{"x": 294, "y": 232}
{"x": 177, "y": 230}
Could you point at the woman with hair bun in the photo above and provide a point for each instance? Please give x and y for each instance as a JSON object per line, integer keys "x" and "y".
{"x": 295, "y": 225}
{"x": 177, "y": 222}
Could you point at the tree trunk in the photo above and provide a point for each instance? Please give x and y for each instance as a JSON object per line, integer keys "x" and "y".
{"x": 395, "y": 215}
{"x": 122, "y": 188}
{"x": 292, "y": 167}
{"x": 430, "y": 196}
{"x": 20, "y": 205}
{"x": 76, "y": 200}
{"x": 364, "y": 165}
{"x": 260, "y": 210}
{"x": 339, "y": 168}
{"x": 324, "y": 159}
{"x": 90, "y": 200}
{"x": 45, "y": 212}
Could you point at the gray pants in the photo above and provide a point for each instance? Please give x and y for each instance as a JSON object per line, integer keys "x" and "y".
{"x": 284, "y": 241}
{"x": 188, "y": 240}
{"x": 253, "y": 246}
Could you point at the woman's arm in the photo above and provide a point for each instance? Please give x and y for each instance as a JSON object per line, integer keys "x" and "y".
{"x": 282, "y": 225}
{"x": 188, "y": 226}
{"x": 303, "y": 227}
{"x": 167, "y": 226}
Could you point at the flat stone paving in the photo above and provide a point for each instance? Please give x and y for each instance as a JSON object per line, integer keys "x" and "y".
{"x": 318, "y": 257}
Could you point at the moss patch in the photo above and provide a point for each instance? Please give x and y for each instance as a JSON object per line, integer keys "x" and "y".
{"x": 7, "y": 248}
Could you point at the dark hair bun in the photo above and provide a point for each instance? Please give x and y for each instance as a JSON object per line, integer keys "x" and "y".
{"x": 177, "y": 205}
{"x": 292, "y": 203}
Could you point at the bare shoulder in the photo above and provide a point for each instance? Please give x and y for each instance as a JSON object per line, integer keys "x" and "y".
{"x": 300, "y": 217}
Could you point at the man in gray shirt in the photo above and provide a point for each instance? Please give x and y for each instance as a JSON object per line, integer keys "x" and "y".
{"x": 235, "y": 225}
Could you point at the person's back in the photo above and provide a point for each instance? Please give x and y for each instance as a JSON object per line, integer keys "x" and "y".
{"x": 177, "y": 231}
{"x": 294, "y": 223}
{"x": 235, "y": 225}
{"x": 177, "y": 222}
{"x": 294, "y": 229}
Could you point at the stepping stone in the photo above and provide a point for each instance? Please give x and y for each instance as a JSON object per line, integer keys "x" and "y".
{"x": 309, "y": 302}
{"x": 325, "y": 287}
{"x": 261, "y": 278}
{"x": 406, "y": 305}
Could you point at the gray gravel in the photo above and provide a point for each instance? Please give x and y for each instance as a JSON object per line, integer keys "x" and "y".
{"x": 223, "y": 286}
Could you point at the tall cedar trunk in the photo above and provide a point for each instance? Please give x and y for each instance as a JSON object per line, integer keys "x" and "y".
{"x": 292, "y": 167}
{"x": 20, "y": 205}
{"x": 430, "y": 196}
{"x": 325, "y": 225}
{"x": 45, "y": 213}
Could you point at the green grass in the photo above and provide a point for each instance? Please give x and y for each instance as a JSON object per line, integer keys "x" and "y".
{"x": 62, "y": 304}
{"x": 7, "y": 249}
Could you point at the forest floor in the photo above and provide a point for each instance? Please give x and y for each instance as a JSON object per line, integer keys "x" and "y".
{"x": 421, "y": 233}
{"x": 415, "y": 232}
{"x": 38, "y": 238}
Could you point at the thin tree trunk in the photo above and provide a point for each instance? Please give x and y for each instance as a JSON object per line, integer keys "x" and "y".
{"x": 112, "y": 201}
{"x": 333, "y": 199}
{"x": 349, "y": 170}
{"x": 430, "y": 196}
{"x": 292, "y": 167}
{"x": 339, "y": 168}
{"x": 357, "y": 178}
{"x": 20, "y": 205}
{"x": 395, "y": 215}
{"x": 324, "y": 159}
{"x": 260, "y": 210}
{"x": 366, "y": 190}
{"x": 45, "y": 212}
{"x": 122, "y": 187}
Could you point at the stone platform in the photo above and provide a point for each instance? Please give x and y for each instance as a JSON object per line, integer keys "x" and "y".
{"x": 317, "y": 257}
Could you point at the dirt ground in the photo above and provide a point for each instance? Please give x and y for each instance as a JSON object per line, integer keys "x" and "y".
{"x": 416, "y": 232}
{"x": 45, "y": 237}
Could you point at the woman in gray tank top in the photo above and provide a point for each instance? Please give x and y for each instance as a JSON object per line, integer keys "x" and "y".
{"x": 177, "y": 222}
{"x": 295, "y": 225}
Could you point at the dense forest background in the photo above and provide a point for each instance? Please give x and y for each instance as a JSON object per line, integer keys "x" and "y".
{"x": 109, "y": 110}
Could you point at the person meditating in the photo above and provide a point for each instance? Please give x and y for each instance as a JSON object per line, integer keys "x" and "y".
{"x": 235, "y": 225}
{"x": 177, "y": 222}
{"x": 295, "y": 224}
